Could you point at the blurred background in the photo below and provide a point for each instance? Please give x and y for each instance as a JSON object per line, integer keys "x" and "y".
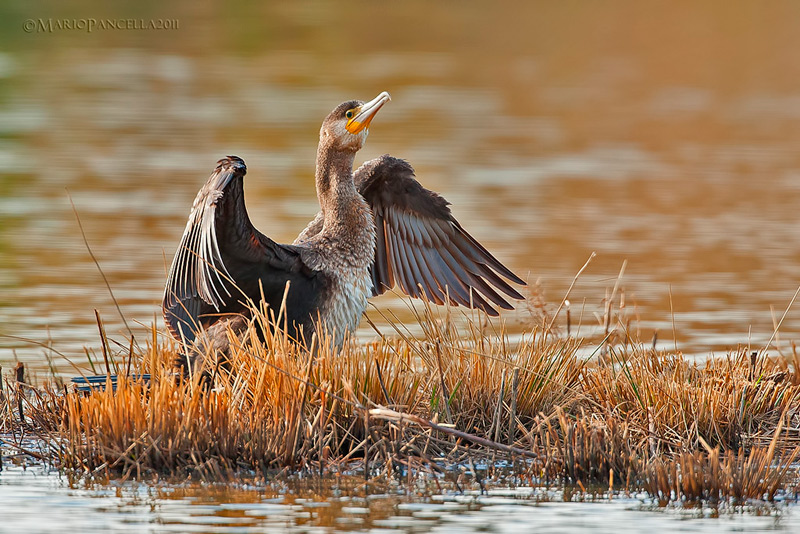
{"x": 661, "y": 133}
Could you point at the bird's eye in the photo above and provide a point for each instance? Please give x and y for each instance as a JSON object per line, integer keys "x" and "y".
{"x": 349, "y": 114}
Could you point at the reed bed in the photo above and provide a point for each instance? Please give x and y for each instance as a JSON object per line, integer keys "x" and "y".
{"x": 460, "y": 395}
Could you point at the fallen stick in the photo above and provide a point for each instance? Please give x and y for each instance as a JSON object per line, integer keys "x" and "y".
{"x": 392, "y": 415}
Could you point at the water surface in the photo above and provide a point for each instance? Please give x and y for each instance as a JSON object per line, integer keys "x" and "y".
{"x": 663, "y": 135}
{"x": 341, "y": 507}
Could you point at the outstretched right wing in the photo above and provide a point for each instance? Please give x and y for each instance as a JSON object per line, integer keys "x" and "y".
{"x": 222, "y": 260}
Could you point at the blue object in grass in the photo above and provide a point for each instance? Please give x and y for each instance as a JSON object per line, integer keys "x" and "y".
{"x": 98, "y": 382}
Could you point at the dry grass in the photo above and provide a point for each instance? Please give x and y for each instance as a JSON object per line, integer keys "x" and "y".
{"x": 633, "y": 419}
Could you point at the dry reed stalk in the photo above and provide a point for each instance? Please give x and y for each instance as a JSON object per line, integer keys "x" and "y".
{"x": 569, "y": 290}
{"x": 445, "y": 394}
{"x": 645, "y": 420}
{"x": 513, "y": 415}
{"x": 20, "y": 380}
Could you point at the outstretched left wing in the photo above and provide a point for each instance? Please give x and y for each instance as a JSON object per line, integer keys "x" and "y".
{"x": 422, "y": 248}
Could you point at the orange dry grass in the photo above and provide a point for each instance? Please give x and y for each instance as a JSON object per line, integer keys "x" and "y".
{"x": 257, "y": 416}
{"x": 695, "y": 476}
{"x": 637, "y": 419}
{"x": 672, "y": 404}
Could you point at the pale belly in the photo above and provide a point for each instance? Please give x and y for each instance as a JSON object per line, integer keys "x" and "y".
{"x": 347, "y": 304}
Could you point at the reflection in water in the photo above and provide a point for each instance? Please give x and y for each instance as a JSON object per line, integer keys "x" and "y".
{"x": 342, "y": 506}
{"x": 667, "y": 137}
{"x": 661, "y": 134}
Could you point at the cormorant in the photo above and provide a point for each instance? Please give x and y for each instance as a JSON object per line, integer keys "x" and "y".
{"x": 376, "y": 228}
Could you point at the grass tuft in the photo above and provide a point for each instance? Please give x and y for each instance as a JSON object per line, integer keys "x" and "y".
{"x": 633, "y": 419}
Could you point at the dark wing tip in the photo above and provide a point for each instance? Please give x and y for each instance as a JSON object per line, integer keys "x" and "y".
{"x": 517, "y": 280}
{"x": 491, "y": 312}
{"x": 233, "y": 163}
{"x": 516, "y": 294}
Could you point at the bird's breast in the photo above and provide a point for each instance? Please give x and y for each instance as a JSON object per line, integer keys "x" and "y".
{"x": 346, "y": 302}
{"x": 343, "y": 251}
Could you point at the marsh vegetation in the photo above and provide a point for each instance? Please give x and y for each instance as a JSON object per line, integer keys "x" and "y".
{"x": 543, "y": 408}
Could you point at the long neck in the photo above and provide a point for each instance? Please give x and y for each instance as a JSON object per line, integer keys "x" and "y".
{"x": 336, "y": 190}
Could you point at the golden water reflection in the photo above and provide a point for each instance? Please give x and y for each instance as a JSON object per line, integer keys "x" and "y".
{"x": 664, "y": 134}
{"x": 342, "y": 504}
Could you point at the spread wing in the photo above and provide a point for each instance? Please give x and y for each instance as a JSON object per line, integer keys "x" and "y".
{"x": 422, "y": 248}
{"x": 222, "y": 258}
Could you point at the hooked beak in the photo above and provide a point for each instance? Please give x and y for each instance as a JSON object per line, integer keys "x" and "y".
{"x": 366, "y": 112}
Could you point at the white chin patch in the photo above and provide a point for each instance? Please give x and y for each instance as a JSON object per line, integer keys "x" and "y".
{"x": 348, "y": 139}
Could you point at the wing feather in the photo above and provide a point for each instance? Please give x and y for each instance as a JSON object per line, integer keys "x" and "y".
{"x": 478, "y": 268}
{"x": 381, "y": 272}
{"x": 429, "y": 282}
{"x": 222, "y": 258}
{"x": 402, "y": 270}
{"x": 423, "y": 248}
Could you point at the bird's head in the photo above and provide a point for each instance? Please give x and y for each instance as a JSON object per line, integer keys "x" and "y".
{"x": 347, "y": 126}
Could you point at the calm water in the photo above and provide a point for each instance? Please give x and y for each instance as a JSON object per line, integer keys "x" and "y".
{"x": 664, "y": 134}
{"x": 298, "y": 509}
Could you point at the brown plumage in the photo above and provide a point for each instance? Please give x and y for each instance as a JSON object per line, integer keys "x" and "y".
{"x": 376, "y": 228}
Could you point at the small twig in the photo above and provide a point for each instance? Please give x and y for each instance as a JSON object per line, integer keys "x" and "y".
{"x": 498, "y": 410}
{"x": 496, "y": 422}
{"x": 26, "y": 451}
{"x": 569, "y": 318}
{"x": 569, "y": 289}
{"x": 289, "y": 459}
{"x": 94, "y": 259}
{"x": 610, "y": 301}
{"x": 130, "y": 359}
{"x": 20, "y": 377}
{"x": 103, "y": 341}
{"x": 513, "y": 418}
{"x": 380, "y": 381}
{"x": 320, "y": 447}
{"x": 392, "y": 415}
{"x": 672, "y": 314}
{"x": 366, "y": 445}
{"x": 445, "y": 392}
{"x": 775, "y": 330}
{"x": 478, "y": 478}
